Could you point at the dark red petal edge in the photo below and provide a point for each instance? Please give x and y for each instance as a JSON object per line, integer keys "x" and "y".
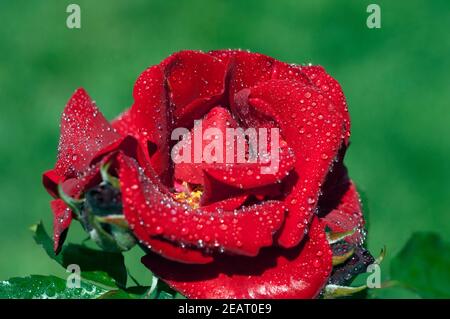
{"x": 347, "y": 216}
{"x": 84, "y": 132}
{"x": 62, "y": 217}
{"x": 242, "y": 231}
{"x": 313, "y": 127}
{"x": 196, "y": 82}
{"x": 167, "y": 249}
{"x": 339, "y": 205}
{"x": 148, "y": 119}
{"x": 51, "y": 179}
{"x": 331, "y": 89}
{"x": 275, "y": 273}
{"x": 240, "y": 175}
{"x": 218, "y": 118}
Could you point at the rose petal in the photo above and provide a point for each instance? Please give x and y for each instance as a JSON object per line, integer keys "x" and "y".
{"x": 215, "y": 192}
{"x": 340, "y": 205}
{"x": 148, "y": 119}
{"x": 246, "y": 70}
{"x": 218, "y": 118}
{"x": 275, "y": 273}
{"x": 231, "y": 203}
{"x": 71, "y": 186}
{"x": 242, "y": 231}
{"x": 218, "y": 194}
{"x": 196, "y": 82}
{"x": 164, "y": 248}
{"x": 290, "y": 72}
{"x": 122, "y": 123}
{"x": 332, "y": 90}
{"x": 252, "y": 175}
{"x": 84, "y": 131}
{"x": 235, "y": 173}
{"x": 51, "y": 179}
{"x": 313, "y": 127}
{"x": 75, "y": 186}
{"x": 176, "y": 253}
{"x": 62, "y": 217}
{"x": 347, "y": 216}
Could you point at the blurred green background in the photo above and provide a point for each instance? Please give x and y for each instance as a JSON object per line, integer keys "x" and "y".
{"x": 396, "y": 80}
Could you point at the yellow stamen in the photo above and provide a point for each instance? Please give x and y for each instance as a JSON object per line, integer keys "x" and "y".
{"x": 191, "y": 195}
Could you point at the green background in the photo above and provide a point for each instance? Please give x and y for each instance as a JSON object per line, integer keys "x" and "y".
{"x": 396, "y": 80}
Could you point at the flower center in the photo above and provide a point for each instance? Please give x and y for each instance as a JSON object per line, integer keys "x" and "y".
{"x": 188, "y": 194}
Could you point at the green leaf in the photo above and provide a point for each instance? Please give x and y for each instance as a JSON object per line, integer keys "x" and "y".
{"x": 42, "y": 238}
{"x": 92, "y": 260}
{"x": 100, "y": 277}
{"x": 137, "y": 292}
{"x": 423, "y": 266}
{"x": 104, "y": 267}
{"x": 394, "y": 292}
{"x": 163, "y": 291}
{"x": 165, "y": 295}
{"x": 98, "y": 268}
{"x": 106, "y": 177}
{"x": 336, "y": 291}
{"x": 43, "y": 287}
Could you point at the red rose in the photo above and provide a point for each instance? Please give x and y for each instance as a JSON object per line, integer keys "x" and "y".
{"x": 214, "y": 229}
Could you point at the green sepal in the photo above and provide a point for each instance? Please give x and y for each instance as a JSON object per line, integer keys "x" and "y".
{"x": 340, "y": 259}
{"x": 106, "y": 177}
{"x": 336, "y": 291}
{"x": 334, "y": 237}
{"x": 381, "y": 256}
{"x": 74, "y": 204}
